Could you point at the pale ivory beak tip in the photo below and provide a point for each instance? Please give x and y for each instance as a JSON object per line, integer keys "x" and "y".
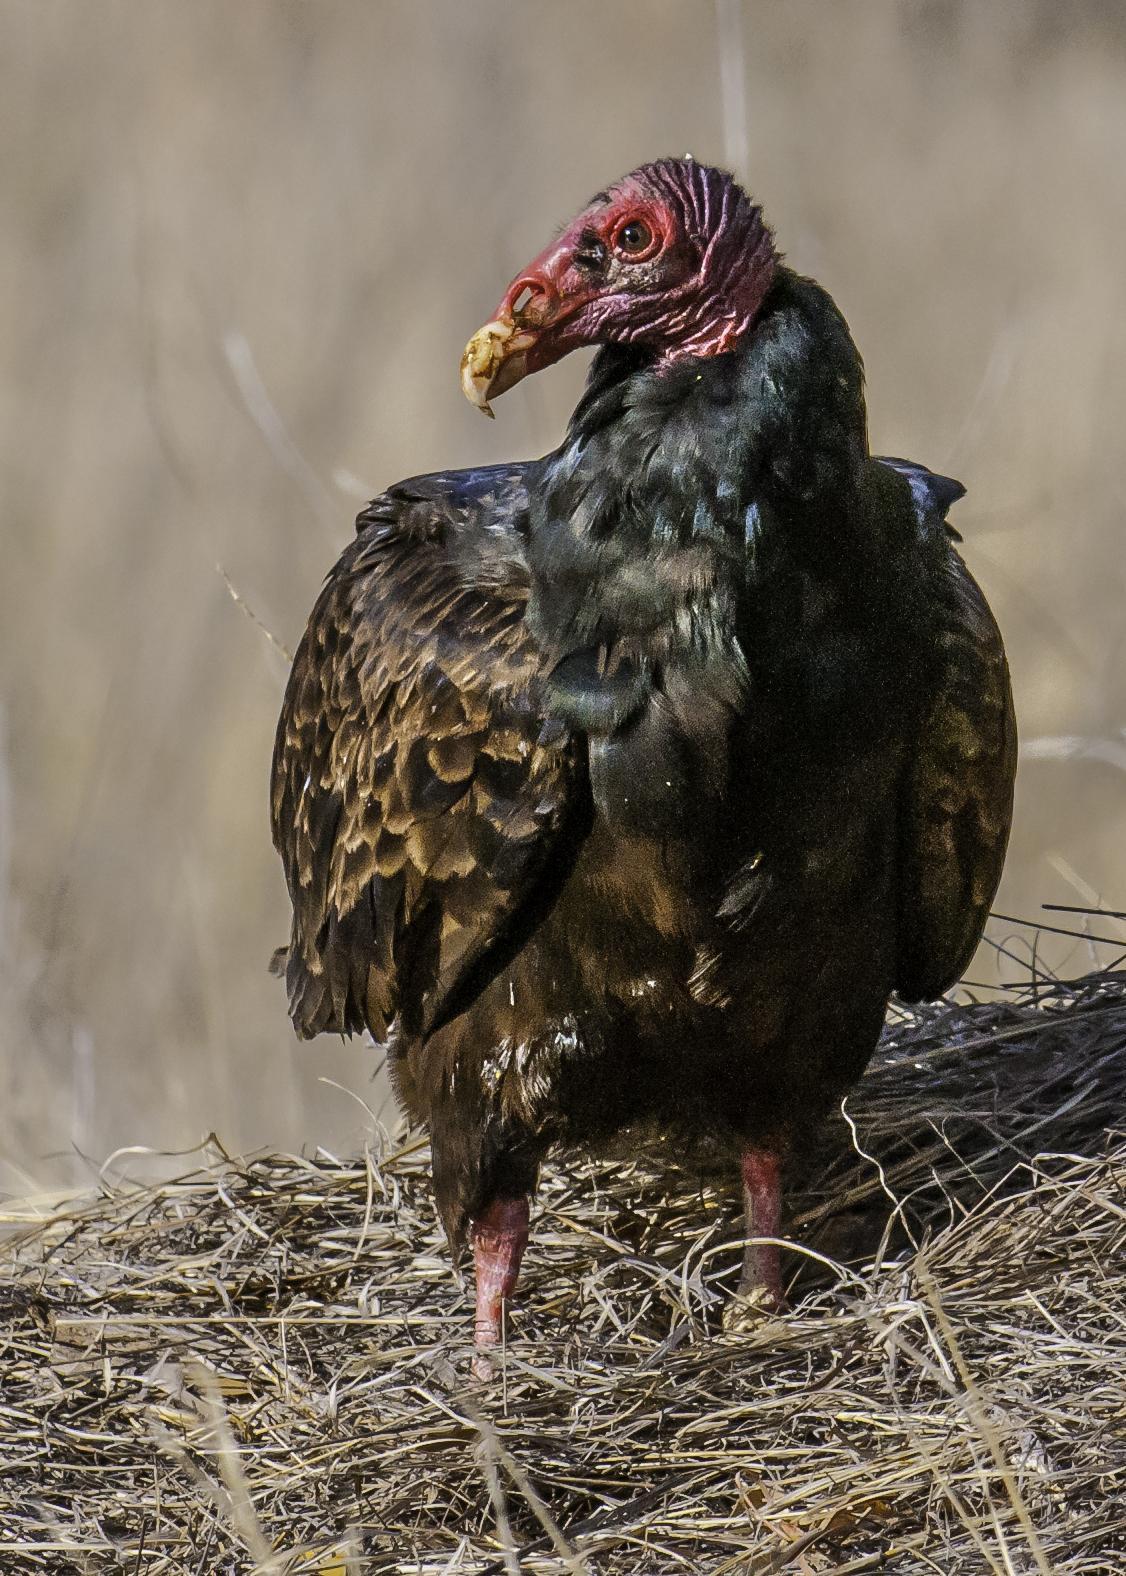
{"x": 481, "y": 362}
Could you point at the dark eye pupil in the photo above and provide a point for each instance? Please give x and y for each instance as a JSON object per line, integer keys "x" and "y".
{"x": 634, "y": 236}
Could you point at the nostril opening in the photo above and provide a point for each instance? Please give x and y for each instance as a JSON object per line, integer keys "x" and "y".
{"x": 523, "y": 298}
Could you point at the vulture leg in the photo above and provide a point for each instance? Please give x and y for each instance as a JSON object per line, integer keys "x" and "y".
{"x": 500, "y": 1235}
{"x": 760, "y": 1285}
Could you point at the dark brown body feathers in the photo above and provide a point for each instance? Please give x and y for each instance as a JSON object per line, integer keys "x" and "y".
{"x": 626, "y": 785}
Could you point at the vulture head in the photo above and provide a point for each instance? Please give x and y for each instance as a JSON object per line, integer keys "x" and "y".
{"x": 674, "y": 258}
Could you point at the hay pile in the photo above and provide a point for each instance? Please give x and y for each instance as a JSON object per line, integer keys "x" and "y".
{"x": 263, "y": 1365}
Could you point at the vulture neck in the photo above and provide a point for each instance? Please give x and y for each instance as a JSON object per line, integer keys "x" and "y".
{"x": 778, "y": 424}
{"x": 689, "y": 485}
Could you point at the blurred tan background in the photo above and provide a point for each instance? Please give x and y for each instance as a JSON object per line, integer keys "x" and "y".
{"x": 241, "y": 246}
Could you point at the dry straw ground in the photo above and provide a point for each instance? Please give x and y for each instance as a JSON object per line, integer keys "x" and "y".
{"x": 262, "y": 1366}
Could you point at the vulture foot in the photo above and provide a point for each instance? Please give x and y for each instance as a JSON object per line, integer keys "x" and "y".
{"x": 752, "y": 1312}
{"x": 500, "y": 1235}
{"x": 760, "y": 1294}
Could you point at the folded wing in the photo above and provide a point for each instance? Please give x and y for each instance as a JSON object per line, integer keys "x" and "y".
{"x": 425, "y": 817}
{"x": 958, "y": 800}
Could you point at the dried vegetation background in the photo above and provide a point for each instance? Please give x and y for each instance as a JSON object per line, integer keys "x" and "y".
{"x": 241, "y": 246}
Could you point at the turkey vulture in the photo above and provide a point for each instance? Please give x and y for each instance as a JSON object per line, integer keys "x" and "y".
{"x": 620, "y": 788}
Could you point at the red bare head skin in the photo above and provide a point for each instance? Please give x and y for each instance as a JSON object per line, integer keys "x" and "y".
{"x": 675, "y": 257}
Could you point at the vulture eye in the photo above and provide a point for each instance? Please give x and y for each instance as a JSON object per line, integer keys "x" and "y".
{"x": 633, "y": 238}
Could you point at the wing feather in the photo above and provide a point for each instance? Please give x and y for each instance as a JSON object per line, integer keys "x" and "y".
{"x": 958, "y": 803}
{"x": 423, "y": 824}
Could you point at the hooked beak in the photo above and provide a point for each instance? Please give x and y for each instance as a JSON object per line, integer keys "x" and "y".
{"x": 495, "y": 360}
{"x": 524, "y": 333}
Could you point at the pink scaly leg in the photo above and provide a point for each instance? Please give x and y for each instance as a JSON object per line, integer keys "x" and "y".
{"x": 500, "y": 1235}
{"x": 760, "y": 1285}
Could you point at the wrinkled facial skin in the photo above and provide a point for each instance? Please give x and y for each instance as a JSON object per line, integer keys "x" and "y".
{"x": 674, "y": 258}
{"x": 625, "y": 271}
{"x": 592, "y": 283}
